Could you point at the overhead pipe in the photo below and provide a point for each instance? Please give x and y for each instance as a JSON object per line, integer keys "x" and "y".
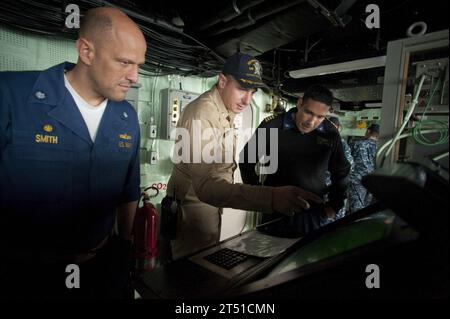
{"x": 336, "y": 17}
{"x": 251, "y": 18}
{"x": 234, "y": 9}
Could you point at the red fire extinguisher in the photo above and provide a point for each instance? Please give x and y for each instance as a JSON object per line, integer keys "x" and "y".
{"x": 145, "y": 233}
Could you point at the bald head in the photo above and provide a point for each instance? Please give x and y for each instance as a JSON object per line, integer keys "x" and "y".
{"x": 111, "y": 47}
{"x": 99, "y": 25}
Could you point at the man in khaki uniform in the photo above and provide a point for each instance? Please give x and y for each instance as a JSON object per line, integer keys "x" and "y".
{"x": 203, "y": 178}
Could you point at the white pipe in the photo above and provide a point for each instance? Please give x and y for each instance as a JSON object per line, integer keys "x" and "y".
{"x": 361, "y": 64}
{"x": 437, "y": 158}
{"x": 380, "y": 149}
{"x": 406, "y": 119}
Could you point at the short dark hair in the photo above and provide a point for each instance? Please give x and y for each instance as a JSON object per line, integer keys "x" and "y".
{"x": 375, "y": 128}
{"x": 318, "y": 93}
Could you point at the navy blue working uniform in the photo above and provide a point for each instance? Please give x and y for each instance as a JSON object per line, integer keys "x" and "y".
{"x": 58, "y": 189}
{"x": 303, "y": 160}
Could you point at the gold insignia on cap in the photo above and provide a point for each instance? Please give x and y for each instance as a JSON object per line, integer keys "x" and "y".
{"x": 255, "y": 66}
{"x": 48, "y": 128}
{"x": 250, "y": 81}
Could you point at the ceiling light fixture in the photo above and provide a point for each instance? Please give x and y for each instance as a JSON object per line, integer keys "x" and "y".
{"x": 375, "y": 62}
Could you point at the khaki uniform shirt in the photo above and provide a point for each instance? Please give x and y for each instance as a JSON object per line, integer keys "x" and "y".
{"x": 196, "y": 177}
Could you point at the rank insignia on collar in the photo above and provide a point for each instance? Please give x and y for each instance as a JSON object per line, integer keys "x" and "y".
{"x": 48, "y": 128}
{"x": 40, "y": 95}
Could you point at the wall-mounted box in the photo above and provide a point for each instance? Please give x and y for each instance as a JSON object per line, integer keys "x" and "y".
{"x": 173, "y": 103}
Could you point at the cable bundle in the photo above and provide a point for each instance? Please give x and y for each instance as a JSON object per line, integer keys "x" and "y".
{"x": 170, "y": 50}
{"x": 439, "y": 127}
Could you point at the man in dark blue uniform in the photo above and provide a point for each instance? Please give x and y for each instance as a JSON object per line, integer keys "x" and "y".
{"x": 364, "y": 153}
{"x": 305, "y": 154}
{"x": 69, "y": 162}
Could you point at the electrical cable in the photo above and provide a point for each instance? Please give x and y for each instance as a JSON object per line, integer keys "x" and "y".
{"x": 420, "y": 129}
{"x": 440, "y": 156}
{"x": 406, "y": 119}
{"x": 407, "y": 134}
{"x": 170, "y": 50}
{"x": 440, "y": 126}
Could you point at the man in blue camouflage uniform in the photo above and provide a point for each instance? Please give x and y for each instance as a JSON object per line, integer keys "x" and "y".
{"x": 364, "y": 152}
{"x": 333, "y": 123}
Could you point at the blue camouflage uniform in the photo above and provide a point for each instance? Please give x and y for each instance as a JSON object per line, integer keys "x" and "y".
{"x": 58, "y": 189}
{"x": 349, "y": 157}
{"x": 364, "y": 152}
{"x": 324, "y": 126}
